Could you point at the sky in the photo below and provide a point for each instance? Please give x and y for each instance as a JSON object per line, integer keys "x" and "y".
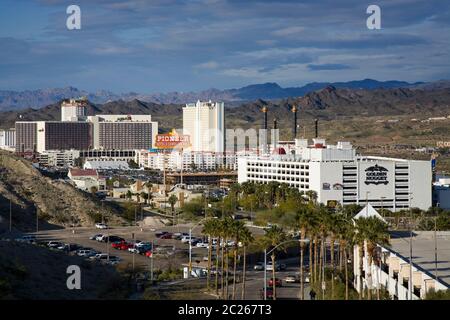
{"x": 191, "y": 45}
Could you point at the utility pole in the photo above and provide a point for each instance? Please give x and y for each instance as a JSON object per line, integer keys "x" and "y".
{"x": 10, "y": 215}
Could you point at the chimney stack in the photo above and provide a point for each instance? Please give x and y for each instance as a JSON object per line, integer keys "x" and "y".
{"x": 275, "y": 124}
{"x": 294, "y": 110}
{"x": 264, "y": 110}
{"x": 316, "y": 125}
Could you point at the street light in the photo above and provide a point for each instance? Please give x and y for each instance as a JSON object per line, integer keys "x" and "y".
{"x": 190, "y": 245}
{"x": 410, "y": 249}
{"x": 265, "y": 261}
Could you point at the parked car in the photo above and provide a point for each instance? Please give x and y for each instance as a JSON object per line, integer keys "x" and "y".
{"x": 186, "y": 239}
{"x": 259, "y": 266}
{"x": 95, "y": 236}
{"x": 291, "y": 279}
{"x": 54, "y": 244}
{"x": 99, "y": 256}
{"x": 149, "y": 254}
{"x": 113, "y": 260}
{"x": 112, "y": 239}
{"x": 70, "y": 247}
{"x": 100, "y": 237}
{"x": 159, "y": 234}
{"x": 167, "y": 235}
{"x": 101, "y": 226}
{"x": 143, "y": 244}
{"x": 125, "y": 246}
{"x": 116, "y": 245}
{"x": 179, "y": 235}
{"x": 202, "y": 244}
{"x": 27, "y": 238}
{"x": 86, "y": 253}
{"x": 278, "y": 282}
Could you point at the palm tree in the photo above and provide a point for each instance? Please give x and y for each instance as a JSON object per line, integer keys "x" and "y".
{"x": 237, "y": 229}
{"x": 209, "y": 228}
{"x": 374, "y": 231}
{"x": 331, "y": 225}
{"x": 129, "y": 195}
{"x": 144, "y": 195}
{"x": 246, "y": 239}
{"x": 172, "y": 201}
{"x": 217, "y": 232}
{"x": 312, "y": 195}
{"x": 228, "y": 233}
{"x": 303, "y": 223}
{"x": 248, "y": 187}
{"x": 273, "y": 237}
{"x": 345, "y": 234}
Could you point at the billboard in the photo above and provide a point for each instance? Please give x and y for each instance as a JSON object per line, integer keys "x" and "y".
{"x": 172, "y": 140}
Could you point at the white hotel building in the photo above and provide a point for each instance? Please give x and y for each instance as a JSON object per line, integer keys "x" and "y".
{"x": 339, "y": 175}
{"x": 204, "y": 122}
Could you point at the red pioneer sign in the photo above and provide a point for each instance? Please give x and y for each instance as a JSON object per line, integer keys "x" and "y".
{"x": 172, "y": 140}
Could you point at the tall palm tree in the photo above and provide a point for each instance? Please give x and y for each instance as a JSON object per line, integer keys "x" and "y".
{"x": 217, "y": 233}
{"x": 209, "y": 228}
{"x": 345, "y": 233}
{"x": 246, "y": 239}
{"x": 304, "y": 223}
{"x": 273, "y": 237}
{"x": 374, "y": 232}
{"x": 237, "y": 229}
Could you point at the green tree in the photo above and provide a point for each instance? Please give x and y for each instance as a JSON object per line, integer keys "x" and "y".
{"x": 273, "y": 237}
{"x": 246, "y": 239}
{"x": 172, "y": 201}
{"x": 373, "y": 231}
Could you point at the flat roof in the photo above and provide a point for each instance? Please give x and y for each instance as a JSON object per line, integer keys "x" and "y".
{"x": 423, "y": 253}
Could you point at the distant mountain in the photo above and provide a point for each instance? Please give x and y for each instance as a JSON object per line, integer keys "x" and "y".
{"x": 14, "y": 100}
{"x": 327, "y": 103}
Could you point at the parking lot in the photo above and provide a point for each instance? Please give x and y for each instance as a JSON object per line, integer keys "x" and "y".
{"x": 179, "y": 254}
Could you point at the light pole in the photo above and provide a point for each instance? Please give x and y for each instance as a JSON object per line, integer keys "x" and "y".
{"x": 435, "y": 245}
{"x": 410, "y": 250}
{"x": 265, "y": 261}
{"x": 190, "y": 245}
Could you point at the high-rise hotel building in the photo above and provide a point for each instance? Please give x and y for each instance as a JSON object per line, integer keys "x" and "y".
{"x": 77, "y": 131}
{"x": 338, "y": 175}
{"x": 204, "y": 122}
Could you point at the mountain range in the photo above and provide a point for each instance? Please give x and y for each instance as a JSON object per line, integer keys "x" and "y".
{"x": 15, "y": 100}
{"x": 327, "y": 104}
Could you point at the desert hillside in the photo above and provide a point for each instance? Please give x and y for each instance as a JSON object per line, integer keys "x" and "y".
{"x": 57, "y": 203}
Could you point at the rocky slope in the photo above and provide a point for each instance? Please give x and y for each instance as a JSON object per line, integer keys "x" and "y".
{"x": 57, "y": 203}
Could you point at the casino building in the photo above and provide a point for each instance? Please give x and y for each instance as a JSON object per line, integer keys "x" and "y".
{"x": 338, "y": 175}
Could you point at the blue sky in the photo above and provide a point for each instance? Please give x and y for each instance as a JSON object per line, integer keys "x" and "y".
{"x": 169, "y": 45}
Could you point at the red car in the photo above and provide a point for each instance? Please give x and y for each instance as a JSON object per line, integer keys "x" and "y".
{"x": 278, "y": 282}
{"x": 116, "y": 245}
{"x": 166, "y": 236}
{"x": 125, "y": 246}
{"x": 148, "y": 254}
